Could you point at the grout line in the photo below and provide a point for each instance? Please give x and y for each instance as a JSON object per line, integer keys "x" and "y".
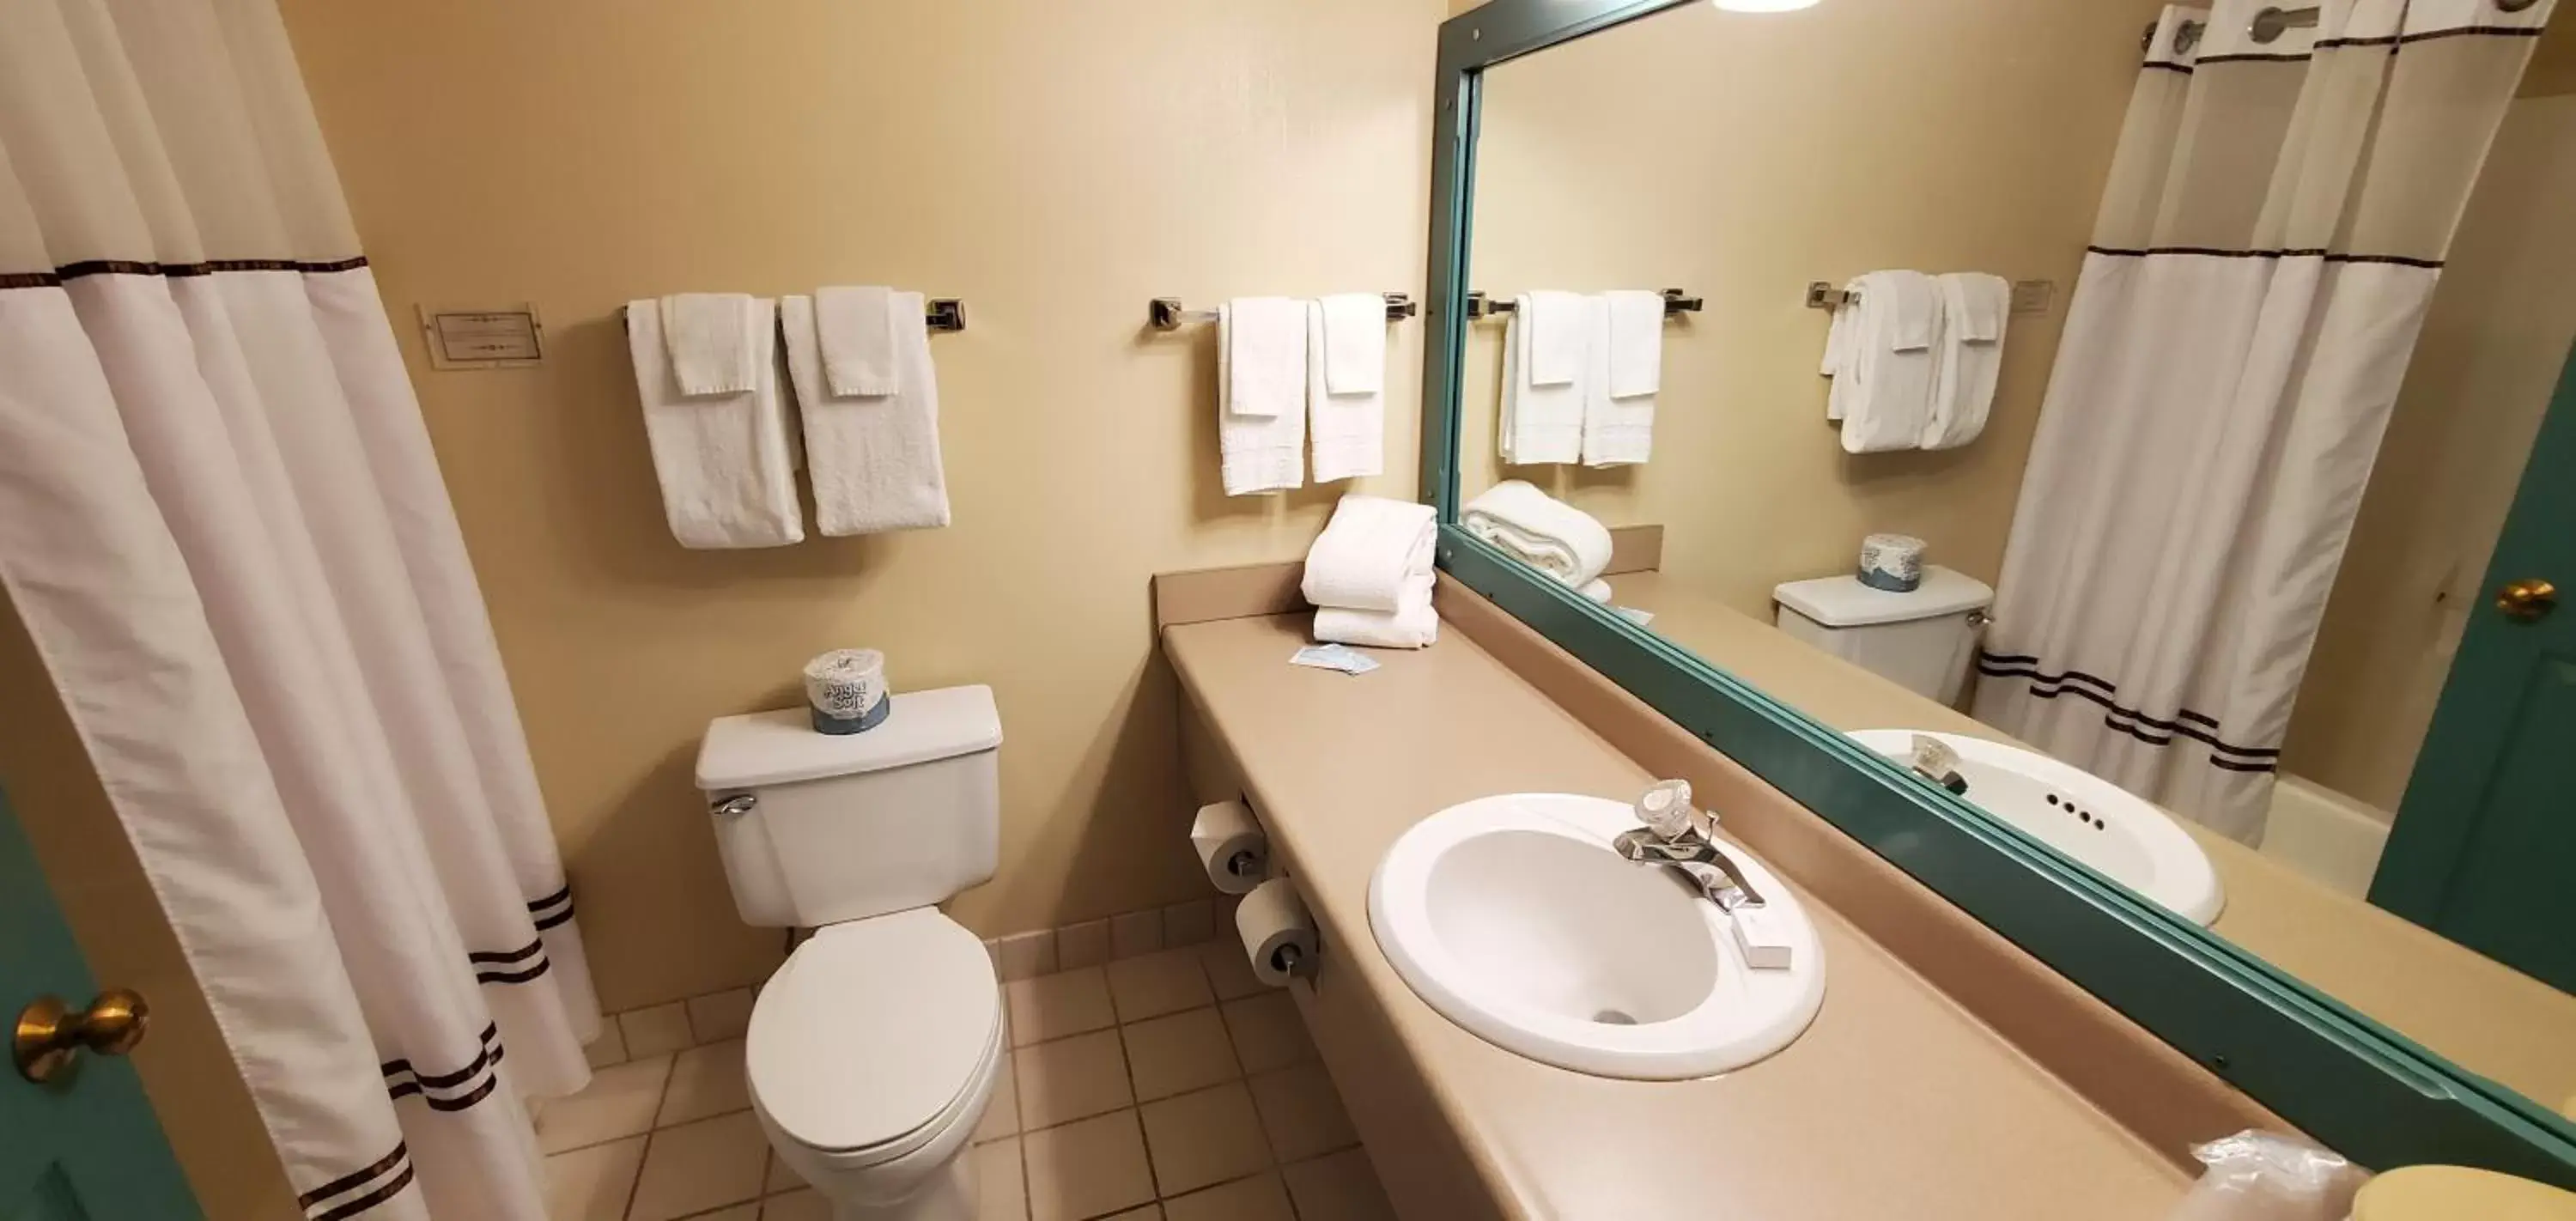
{"x": 635, "y": 1183}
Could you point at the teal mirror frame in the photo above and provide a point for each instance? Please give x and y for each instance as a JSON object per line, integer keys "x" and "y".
{"x": 2378, "y": 1097}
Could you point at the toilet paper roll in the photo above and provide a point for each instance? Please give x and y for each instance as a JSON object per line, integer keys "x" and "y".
{"x": 1278, "y": 935}
{"x": 1231, "y": 846}
{"x": 847, "y": 689}
{"x": 1892, "y": 562}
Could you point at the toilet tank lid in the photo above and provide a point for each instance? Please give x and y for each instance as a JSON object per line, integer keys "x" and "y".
{"x": 781, "y": 747}
{"x": 1844, "y": 602}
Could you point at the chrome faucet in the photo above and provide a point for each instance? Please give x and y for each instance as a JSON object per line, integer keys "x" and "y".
{"x": 1682, "y": 838}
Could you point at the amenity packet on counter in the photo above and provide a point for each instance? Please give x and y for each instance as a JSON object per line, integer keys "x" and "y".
{"x": 1333, "y": 657}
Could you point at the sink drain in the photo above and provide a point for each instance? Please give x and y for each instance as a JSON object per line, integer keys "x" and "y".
{"x": 1612, "y": 1017}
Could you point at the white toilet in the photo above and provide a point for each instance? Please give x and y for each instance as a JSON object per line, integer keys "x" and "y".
{"x": 874, "y": 1049}
{"x": 1924, "y": 639}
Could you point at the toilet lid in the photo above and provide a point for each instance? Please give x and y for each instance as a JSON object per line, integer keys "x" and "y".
{"x": 872, "y": 1029}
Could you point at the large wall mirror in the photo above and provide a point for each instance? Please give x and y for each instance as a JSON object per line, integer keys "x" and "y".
{"x": 2160, "y": 455}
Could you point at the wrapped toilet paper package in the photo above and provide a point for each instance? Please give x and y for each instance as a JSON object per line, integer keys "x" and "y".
{"x": 1892, "y": 562}
{"x": 847, "y": 691}
{"x": 1231, "y": 846}
{"x": 1278, "y": 935}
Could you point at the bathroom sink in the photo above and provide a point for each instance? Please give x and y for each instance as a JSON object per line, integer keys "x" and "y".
{"x": 2081, "y": 815}
{"x": 1513, "y": 917}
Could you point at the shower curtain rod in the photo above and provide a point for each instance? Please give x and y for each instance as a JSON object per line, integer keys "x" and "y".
{"x": 2266, "y": 28}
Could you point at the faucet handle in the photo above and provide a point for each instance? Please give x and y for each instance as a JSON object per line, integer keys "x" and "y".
{"x": 1666, "y": 810}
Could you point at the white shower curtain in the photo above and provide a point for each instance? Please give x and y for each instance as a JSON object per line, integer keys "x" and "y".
{"x": 223, "y": 526}
{"x": 2274, "y": 224}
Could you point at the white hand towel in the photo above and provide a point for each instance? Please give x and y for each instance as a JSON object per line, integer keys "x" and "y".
{"x": 1840, "y": 343}
{"x": 1265, "y": 349}
{"x": 1412, "y": 625}
{"x": 873, "y": 460}
{"x": 1548, "y": 534}
{"x": 1891, "y": 362}
{"x": 858, "y": 331}
{"x": 1616, "y": 431}
{"x": 722, "y": 460}
{"x": 1263, "y": 452}
{"x": 1372, "y": 551}
{"x": 1539, "y": 423}
{"x": 710, "y": 339}
{"x": 1636, "y": 343}
{"x": 1560, "y": 336}
{"x": 1349, "y": 428}
{"x": 1354, "y": 343}
{"x": 1975, "y": 308}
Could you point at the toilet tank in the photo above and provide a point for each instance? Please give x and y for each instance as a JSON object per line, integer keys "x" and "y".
{"x": 1924, "y": 639}
{"x": 817, "y": 829}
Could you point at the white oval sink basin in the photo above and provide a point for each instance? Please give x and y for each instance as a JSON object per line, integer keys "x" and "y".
{"x": 2079, "y": 814}
{"x": 1513, "y": 917}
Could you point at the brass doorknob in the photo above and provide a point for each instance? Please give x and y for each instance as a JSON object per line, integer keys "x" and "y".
{"x": 2527, "y": 599}
{"x": 48, "y": 1032}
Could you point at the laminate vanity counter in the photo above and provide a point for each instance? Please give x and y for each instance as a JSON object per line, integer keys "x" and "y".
{"x": 1897, "y": 1102}
{"x": 2489, "y": 1018}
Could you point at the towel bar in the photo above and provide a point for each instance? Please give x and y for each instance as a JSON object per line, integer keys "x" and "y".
{"x": 1676, "y": 301}
{"x": 1821, "y": 295}
{"x": 939, "y": 314}
{"x": 1167, "y": 313}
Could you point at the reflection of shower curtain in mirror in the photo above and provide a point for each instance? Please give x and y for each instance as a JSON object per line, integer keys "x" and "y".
{"x": 2273, "y": 226}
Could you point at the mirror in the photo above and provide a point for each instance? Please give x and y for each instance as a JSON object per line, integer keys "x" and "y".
{"x": 2200, "y": 436}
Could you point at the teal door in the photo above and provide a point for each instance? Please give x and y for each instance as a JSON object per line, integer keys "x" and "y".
{"x": 82, "y": 1145}
{"x": 2484, "y": 851}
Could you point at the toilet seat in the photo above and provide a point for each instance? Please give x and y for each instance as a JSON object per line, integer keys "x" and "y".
{"x": 875, "y": 1036}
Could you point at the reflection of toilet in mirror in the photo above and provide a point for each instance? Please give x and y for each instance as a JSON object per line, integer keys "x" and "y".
{"x": 1924, "y": 639}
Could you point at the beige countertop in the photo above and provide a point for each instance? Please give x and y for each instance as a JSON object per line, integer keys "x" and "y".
{"x": 1895, "y": 1103}
{"x": 2489, "y": 1018}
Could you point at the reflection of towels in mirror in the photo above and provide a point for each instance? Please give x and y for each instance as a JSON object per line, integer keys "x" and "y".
{"x": 1884, "y": 357}
{"x": 1540, "y": 423}
{"x": 1538, "y": 529}
{"x": 1625, "y": 372}
{"x": 1974, "y": 309}
{"x": 1346, "y": 385}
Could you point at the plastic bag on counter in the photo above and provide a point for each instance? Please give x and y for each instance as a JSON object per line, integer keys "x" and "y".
{"x": 2263, "y": 1176}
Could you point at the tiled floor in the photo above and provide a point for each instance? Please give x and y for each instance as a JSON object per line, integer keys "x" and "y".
{"x": 1165, "y": 1087}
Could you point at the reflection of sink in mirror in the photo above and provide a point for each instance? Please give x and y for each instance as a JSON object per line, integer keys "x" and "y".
{"x": 2079, "y": 814}
{"x": 1513, "y": 917}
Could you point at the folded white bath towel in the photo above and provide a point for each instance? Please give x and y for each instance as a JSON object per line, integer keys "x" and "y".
{"x": 1636, "y": 342}
{"x": 858, "y": 332}
{"x": 1346, "y": 412}
{"x": 1560, "y": 336}
{"x": 1372, "y": 551}
{"x": 1412, "y": 625}
{"x": 1883, "y": 355}
{"x": 1974, "y": 310}
{"x": 1546, "y": 533}
{"x": 1620, "y": 431}
{"x": 710, "y": 340}
{"x": 873, "y": 460}
{"x": 723, "y": 460}
{"x": 1539, "y": 423}
{"x": 1260, "y": 410}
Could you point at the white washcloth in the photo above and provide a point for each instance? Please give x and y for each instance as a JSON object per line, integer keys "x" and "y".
{"x": 1636, "y": 343}
{"x": 1372, "y": 551}
{"x": 1548, "y": 534}
{"x": 858, "y": 333}
{"x": 1263, "y": 452}
{"x": 1974, "y": 309}
{"x": 1560, "y": 336}
{"x": 1411, "y": 625}
{"x": 710, "y": 339}
{"x": 1265, "y": 350}
{"x": 1616, "y": 431}
{"x": 1884, "y": 358}
{"x": 873, "y": 460}
{"x": 1539, "y": 423}
{"x": 1349, "y": 426}
{"x": 723, "y": 460}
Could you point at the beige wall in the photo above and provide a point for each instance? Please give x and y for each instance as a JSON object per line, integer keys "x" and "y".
{"x": 1742, "y": 156}
{"x": 2494, "y": 343}
{"x": 1054, "y": 164}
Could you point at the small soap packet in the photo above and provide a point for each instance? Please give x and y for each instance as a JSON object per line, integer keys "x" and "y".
{"x": 1333, "y": 657}
{"x": 1633, "y": 615}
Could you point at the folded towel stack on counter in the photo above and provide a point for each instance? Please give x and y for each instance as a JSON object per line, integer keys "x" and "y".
{"x": 1914, "y": 359}
{"x": 1543, "y": 532}
{"x": 1369, "y": 575}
